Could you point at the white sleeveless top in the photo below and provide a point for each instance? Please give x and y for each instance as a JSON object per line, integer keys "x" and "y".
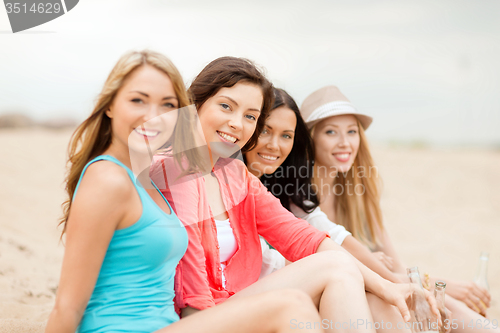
{"x": 227, "y": 244}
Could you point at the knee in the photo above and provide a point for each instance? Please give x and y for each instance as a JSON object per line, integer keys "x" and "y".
{"x": 340, "y": 266}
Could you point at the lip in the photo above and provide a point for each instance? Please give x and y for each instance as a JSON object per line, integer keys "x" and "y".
{"x": 223, "y": 139}
{"x": 340, "y": 156}
{"x": 266, "y": 161}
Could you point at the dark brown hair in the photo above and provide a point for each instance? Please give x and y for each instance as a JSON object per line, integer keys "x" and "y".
{"x": 225, "y": 72}
{"x": 298, "y": 159}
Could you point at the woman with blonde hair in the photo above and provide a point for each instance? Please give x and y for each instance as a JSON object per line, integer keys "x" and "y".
{"x": 123, "y": 241}
{"x": 347, "y": 183}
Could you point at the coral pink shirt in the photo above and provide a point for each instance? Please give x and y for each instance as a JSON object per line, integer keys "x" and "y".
{"x": 252, "y": 211}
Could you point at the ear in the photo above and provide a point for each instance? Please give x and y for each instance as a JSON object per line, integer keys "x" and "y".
{"x": 109, "y": 113}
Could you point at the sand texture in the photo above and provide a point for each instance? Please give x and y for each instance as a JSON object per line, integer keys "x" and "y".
{"x": 441, "y": 208}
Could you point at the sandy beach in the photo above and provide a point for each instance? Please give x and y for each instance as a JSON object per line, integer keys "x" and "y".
{"x": 441, "y": 208}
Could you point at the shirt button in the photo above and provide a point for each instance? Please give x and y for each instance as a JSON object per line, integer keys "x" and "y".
{"x": 220, "y": 288}
{"x": 218, "y": 247}
{"x": 220, "y": 269}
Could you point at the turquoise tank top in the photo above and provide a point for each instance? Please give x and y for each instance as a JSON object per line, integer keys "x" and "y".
{"x": 135, "y": 288}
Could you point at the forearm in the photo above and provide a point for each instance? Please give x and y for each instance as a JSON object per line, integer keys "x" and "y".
{"x": 63, "y": 321}
{"x": 374, "y": 283}
{"x": 366, "y": 257}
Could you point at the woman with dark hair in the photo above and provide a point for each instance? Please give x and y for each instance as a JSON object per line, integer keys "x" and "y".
{"x": 226, "y": 209}
{"x": 276, "y": 171}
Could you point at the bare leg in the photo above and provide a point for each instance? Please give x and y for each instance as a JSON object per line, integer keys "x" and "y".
{"x": 334, "y": 283}
{"x": 282, "y": 311}
{"x": 463, "y": 316}
{"x": 387, "y": 318}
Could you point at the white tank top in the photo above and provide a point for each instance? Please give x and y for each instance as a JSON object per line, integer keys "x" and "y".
{"x": 227, "y": 244}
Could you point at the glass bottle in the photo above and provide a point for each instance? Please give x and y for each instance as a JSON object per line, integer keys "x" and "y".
{"x": 481, "y": 276}
{"x": 422, "y": 319}
{"x": 439, "y": 292}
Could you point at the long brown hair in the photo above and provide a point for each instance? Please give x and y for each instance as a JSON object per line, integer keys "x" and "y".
{"x": 360, "y": 213}
{"x": 225, "y": 72}
{"x": 93, "y": 136}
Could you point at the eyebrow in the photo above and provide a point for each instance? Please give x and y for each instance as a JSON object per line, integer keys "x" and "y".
{"x": 232, "y": 100}
{"x": 283, "y": 131}
{"x": 144, "y": 94}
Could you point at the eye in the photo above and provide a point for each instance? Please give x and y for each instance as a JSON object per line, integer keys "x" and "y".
{"x": 264, "y": 131}
{"x": 251, "y": 117}
{"x": 225, "y": 106}
{"x": 330, "y": 132}
{"x": 287, "y": 136}
{"x": 170, "y": 105}
{"x": 137, "y": 100}
{"x": 352, "y": 132}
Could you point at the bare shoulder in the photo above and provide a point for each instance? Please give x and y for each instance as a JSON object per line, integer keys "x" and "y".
{"x": 106, "y": 181}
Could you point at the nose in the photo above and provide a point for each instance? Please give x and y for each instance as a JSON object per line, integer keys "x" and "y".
{"x": 235, "y": 122}
{"x": 343, "y": 141}
{"x": 272, "y": 144}
{"x": 152, "y": 114}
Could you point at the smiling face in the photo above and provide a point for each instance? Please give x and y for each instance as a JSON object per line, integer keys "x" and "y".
{"x": 142, "y": 112}
{"x": 275, "y": 142}
{"x": 336, "y": 142}
{"x": 229, "y": 118}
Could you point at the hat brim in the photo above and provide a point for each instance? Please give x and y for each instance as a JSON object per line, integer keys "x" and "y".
{"x": 364, "y": 120}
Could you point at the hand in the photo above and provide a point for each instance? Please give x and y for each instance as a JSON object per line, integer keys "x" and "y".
{"x": 400, "y": 295}
{"x": 385, "y": 259}
{"x": 475, "y": 297}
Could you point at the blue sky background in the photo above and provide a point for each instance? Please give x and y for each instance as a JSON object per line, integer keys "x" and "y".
{"x": 427, "y": 71}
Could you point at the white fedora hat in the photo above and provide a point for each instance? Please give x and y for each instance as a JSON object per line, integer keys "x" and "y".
{"x": 327, "y": 102}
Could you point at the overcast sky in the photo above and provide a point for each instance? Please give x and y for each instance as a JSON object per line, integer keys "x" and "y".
{"x": 425, "y": 70}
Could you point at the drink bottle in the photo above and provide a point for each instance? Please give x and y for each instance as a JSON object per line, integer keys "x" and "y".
{"x": 481, "y": 276}
{"x": 422, "y": 320}
{"x": 439, "y": 292}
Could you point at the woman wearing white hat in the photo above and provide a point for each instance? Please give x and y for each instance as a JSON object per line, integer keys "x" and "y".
{"x": 348, "y": 187}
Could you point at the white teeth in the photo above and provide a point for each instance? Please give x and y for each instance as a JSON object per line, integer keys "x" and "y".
{"x": 227, "y": 137}
{"x": 343, "y": 156}
{"x": 270, "y": 158}
{"x": 146, "y": 132}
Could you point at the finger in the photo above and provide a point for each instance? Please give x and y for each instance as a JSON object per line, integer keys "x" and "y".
{"x": 485, "y": 292}
{"x": 471, "y": 305}
{"x": 387, "y": 263}
{"x": 403, "y": 308}
{"x": 477, "y": 302}
{"x": 434, "y": 308}
{"x": 482, "y": 294}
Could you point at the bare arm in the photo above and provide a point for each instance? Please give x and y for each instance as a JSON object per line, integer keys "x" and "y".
{"x": 360, "y": 252}
{"x": 98, "y": 208}
{"x": 388, "y": 249}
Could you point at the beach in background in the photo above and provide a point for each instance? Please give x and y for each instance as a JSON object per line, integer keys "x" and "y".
{"x": 440, "y": 208}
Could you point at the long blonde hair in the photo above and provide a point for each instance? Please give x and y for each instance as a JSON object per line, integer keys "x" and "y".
{"x": 93, "y": 136}
{"x": 360, "y": 213}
